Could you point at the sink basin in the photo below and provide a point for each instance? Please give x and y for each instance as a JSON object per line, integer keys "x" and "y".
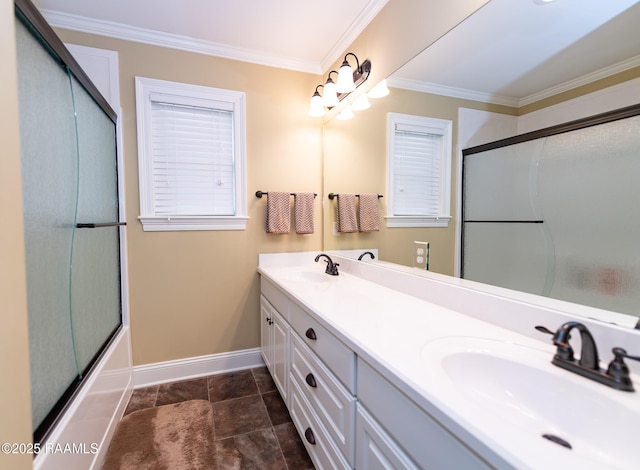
{"x": 513, "y": 393}
{"x": 304, "y": 275}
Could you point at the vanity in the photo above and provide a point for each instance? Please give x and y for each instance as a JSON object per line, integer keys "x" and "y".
{"x": 388, "y": 368}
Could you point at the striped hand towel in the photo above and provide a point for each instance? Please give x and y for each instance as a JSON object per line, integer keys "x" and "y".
{"x": 369, "y": 217}
{"x": 278, "y": 212}
{"x": 347, "y": 221}
{"x": 303, "y": 212}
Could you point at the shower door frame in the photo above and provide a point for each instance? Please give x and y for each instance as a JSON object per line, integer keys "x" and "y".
{"x": 578, "y": 124}
{"x": 32, "y": 18}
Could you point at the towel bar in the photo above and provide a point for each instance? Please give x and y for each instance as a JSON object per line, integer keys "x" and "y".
{"x": 259, "y": 194}
{"x": 333, "y": 195}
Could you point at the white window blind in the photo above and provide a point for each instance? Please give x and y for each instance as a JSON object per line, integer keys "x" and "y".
{"x": 191, "y": 156}
{"x": 418, "y": 163}
{"x": 193, "y": 171}
{"x": 416, "y": 158}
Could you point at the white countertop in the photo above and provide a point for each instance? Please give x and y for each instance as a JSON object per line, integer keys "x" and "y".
{"x": 389, "y": 329}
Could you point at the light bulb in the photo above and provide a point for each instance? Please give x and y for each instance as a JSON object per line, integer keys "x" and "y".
{"x": 345, "y": 114}
{"x": 345, "y": 79}
{"x": 330, "y": 95}
{"x": 379, "y": 90}
{"x": 315, "y": 108}
{"x": 361, "y": 103}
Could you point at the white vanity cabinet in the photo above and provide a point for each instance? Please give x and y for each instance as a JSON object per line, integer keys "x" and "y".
{"x": 348, "y": 414}
{"x": 274, "y": 332}
{"x": 320, "y": 375}
{"x": 333, "y": 404}
{"x": 393, "y": 432}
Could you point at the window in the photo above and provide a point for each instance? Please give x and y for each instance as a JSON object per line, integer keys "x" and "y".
{"x": 191, "y": 157}
{"x": 419, "y": 171}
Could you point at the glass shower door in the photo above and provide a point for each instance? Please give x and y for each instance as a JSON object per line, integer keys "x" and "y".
{"x": 555, "y": 212}
{"x": 506, "y": 241}
{"x": 95, "y": 280}
{"x": 68, "y": 147}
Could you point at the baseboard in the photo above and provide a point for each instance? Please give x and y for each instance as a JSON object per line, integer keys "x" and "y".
{"x": 183, "y": 369}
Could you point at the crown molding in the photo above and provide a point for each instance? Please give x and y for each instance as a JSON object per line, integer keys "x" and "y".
{"x": 436, "y": 89}
{"x": 365, "y": 17}
{"x": 175, "y": 41}
{"x": 584, "y": 80}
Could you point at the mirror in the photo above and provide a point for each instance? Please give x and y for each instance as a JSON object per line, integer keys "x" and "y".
{"x": 510, "y": 58}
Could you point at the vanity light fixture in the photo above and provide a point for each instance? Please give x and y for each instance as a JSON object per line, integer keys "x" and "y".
{"x": 316, "y": 109}
{"x": 330, "y": 94}
{"x": 361, "y": 103}
{"x": 346, "y": 82}
{"x": 348, "y": 79}
{"x": 379, "y": 90}
{"x": 345, "y": 114}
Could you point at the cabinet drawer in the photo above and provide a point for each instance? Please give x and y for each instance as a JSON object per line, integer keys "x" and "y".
{"x": 336, "y": 355}
{"x": 321, "y": 448}
{"x": 274, "y": 295}
{"x": 427, "y": 443}
{"x": 375, "y": 448}
{"x": 333, "y": 403}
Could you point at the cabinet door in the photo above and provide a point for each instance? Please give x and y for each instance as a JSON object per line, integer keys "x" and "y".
{"x": 374, "y": 448}
{"x": 266, "y": 317}
{"x": 280, "y": 357}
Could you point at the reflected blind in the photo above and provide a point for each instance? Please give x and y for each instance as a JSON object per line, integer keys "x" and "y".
{"x": 416, "y": 171}
{"x": 193, "y": 160}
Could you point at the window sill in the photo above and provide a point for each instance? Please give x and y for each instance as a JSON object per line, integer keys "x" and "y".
{"x": 417, "y": 221}
{"x": 167, "y": 224}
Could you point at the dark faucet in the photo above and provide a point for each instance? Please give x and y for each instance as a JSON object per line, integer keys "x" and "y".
{"x": 366, "y": 253}
{"x": 588, "y": 355}
{"x": 616, "y": 375}
{"x": 332, "y": 268}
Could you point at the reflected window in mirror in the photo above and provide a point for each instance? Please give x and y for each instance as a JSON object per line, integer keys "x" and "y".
{"x": 419, "y": 171}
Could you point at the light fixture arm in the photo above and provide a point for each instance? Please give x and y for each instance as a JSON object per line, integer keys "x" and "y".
{"x": 329, "y": 76}
{"x": 345, "y": 62}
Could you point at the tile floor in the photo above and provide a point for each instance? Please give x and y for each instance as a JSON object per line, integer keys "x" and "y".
{"x": 253, "y": 429}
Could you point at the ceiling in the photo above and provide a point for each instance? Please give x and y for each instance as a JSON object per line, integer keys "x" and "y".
{"x": 509, "y": 51}
{"x": 281, "y": 33}
{"x": 514, "y": 52}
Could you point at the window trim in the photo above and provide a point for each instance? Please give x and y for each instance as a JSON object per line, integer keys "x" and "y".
{"x": 146, "y": 88}
{"x": 442, "y": 127}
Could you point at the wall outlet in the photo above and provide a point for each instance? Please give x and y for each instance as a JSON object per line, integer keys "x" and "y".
{"x": 420, "y": 255}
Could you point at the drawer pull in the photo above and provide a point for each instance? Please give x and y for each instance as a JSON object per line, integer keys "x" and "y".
{"x": 311, "y": 334}
{"x": 311, "y": 380}
{"x": 308, "y": 435}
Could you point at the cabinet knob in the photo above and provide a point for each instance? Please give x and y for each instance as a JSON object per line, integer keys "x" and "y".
{"x": 268, "y": 320}
{"x": 311, "y": 380}
{"x": 311, "y": 334}
{"x": 308, "y": 434}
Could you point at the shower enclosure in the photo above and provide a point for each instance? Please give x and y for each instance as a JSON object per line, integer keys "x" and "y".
{"x": 556, "y": 212}
{"x": 72, "y": 229}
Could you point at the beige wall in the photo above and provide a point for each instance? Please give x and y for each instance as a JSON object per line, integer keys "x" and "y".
{"x": 401, "y": 30}
{"x": 15, "y": 394}
{"x": 355, "y": 161}
{"x": 197, "y": 293}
